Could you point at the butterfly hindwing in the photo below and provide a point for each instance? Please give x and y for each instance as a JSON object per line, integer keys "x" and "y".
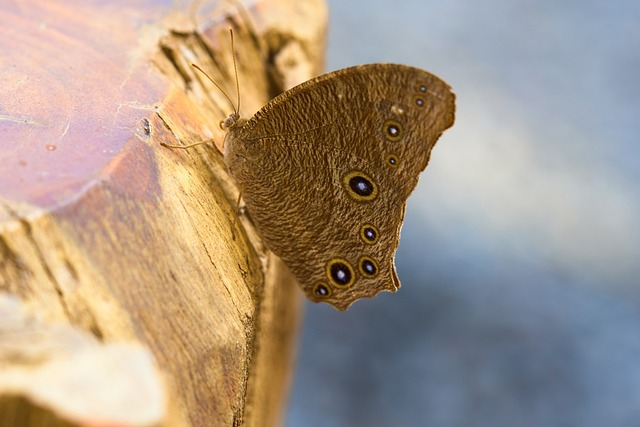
{"x": 325, "y": 170}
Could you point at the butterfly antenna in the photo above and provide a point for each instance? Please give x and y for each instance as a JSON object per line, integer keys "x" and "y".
{"x": 235, "y": 68}
{"x": 216, "y": 85}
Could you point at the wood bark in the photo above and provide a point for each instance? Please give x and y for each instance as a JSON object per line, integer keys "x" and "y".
{"x": 131, "y": 292}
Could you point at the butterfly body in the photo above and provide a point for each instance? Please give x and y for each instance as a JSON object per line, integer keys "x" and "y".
{"x": 325, "y": 170}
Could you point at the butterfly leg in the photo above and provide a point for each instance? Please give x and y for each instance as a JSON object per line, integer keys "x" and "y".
{"x": 235, "y": 216}
{"x": 184, "y": 147}
{"x": 237, "y": 211}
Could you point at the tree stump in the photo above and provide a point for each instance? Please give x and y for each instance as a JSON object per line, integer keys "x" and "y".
{"x": 116, "y": 252}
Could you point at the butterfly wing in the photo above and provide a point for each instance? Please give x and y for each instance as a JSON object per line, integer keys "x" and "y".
{"x": 326, "y": 168}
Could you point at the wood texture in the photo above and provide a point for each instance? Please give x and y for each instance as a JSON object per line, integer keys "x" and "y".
{"x": 105, "y": 230}
{"x": 59, "y": 366}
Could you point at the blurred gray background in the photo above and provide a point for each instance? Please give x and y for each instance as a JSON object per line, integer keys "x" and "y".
{"x": 520, "y": 254}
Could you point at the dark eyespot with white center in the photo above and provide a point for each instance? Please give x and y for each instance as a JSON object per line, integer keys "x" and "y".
{"x": 392, "y": 160}
{"x": 340, "y": 273}
{"x": 369, "y": 234}
{"x": 321, "y": 290}
{"x": 392, "y": 130}
{"x": 360, "y": 186}
{"x": 368, "y": 267}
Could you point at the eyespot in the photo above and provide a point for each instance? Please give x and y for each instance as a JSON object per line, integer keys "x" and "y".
{"x": 368, "y": 267}
{"x": 418, "y": 101}
{"x": 340, "y": 273}
{"x": 369, "y": 234}
{"x": 360, "y": 186}
{"x": 422, "y": 88}
{"x": 392, "y": 160}
{"x": 392, "y": 130}
{"x": 321, "y": 290}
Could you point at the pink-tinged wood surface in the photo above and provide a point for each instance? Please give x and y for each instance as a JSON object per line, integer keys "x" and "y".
{"x": 76, "y": 79}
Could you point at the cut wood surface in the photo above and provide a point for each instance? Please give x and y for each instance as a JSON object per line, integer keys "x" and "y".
{"x": 105, "y": 230}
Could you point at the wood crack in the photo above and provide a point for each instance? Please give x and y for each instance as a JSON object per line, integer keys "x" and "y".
{"x": 28, "y": 233}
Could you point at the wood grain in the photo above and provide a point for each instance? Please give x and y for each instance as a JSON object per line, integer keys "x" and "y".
{"x": 104, "y": 229}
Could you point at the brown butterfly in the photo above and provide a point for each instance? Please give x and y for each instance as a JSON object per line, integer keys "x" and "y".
{"x": 325, "y": 170}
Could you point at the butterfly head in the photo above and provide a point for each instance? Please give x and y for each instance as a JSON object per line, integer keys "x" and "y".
{"x": 232, "y": 121}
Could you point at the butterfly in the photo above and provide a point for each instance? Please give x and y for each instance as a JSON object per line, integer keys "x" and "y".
{"x": 325, "y": 170}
